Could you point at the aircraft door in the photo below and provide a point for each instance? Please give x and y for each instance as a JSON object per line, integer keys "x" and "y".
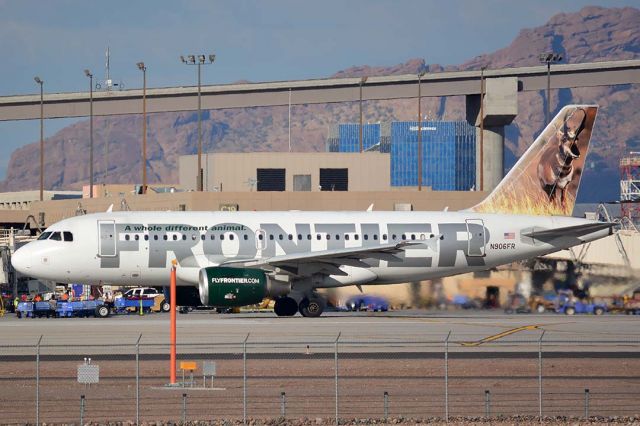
{"x": 477, "y": 238}
{"x": 261, "y": 239}
{"x": 107, "y": 238}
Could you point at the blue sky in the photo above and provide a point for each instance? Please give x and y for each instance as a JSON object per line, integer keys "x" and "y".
{"x": 253, "y": 40}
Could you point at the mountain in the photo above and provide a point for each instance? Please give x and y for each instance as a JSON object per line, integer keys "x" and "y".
{"x": 592, "y": 34}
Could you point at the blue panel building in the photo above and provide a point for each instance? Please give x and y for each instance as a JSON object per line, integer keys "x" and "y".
{"x": 348, "y": 137}
{"x": 448, "y": 151}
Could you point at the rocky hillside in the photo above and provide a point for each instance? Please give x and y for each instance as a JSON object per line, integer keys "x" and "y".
{"x": 592, "y": 34}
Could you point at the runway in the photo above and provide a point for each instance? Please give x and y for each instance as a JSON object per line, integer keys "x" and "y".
{"x": 465, "y": 328}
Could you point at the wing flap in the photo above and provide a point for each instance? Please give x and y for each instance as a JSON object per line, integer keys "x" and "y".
{"x": 326, "y": 261}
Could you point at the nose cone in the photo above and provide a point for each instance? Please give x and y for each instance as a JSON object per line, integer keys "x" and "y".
{"x": 21, "y": 260}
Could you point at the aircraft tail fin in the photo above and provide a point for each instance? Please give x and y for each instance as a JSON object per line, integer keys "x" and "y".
{"x": 545, "y": 180}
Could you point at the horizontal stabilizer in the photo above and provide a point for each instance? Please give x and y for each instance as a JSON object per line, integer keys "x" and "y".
{"x": 569, "y": 231}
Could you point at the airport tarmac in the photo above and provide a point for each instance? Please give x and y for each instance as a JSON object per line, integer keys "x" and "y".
{"x": 479, "y": 327}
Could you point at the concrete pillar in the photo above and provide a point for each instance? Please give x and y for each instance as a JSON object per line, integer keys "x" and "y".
{"x": 500, "y": 108}
{"x": 493, "y": 157}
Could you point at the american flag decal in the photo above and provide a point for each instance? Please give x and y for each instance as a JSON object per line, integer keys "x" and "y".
{"x": 509, "y": 235}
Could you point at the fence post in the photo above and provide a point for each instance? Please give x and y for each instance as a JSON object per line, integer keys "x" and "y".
{"x": 586, "y": 403}
{"x": 336, "y": 371}
{"x": 283, "y": 405}
{"x": 487, "y": 403}
{"x": 81, "y": 410}
{"x": 38, "y": 381}
{"x": 184, "y": 408}
{"x": 540, "y": 375}
{"x": 386, "y": 405}
{"x": 446, "y": 377}
{"x": 138, "y": 380}
{"x": 244, "y": 380}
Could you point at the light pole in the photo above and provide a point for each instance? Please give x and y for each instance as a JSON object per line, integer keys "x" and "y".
{"x": 143, "y": 68}
{"x": 420, "y": 75}
{"x": 39, "y": 81}
{"x": 482, "y": 90}
{"x": 363, "y": 80}
{"x": 199, "y": 60}
{"x": 549, "y": 58}
{"x": 88, "y": 74}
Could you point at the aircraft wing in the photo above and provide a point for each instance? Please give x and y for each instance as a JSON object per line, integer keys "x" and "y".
{"x": 576, "y": 231}
{"x": 326, "y": 261}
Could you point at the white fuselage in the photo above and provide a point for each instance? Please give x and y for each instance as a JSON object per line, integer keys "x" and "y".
{"x": 134, "y": 248}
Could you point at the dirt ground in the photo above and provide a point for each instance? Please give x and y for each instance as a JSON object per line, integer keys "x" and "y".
{"x": 415, "y": 390}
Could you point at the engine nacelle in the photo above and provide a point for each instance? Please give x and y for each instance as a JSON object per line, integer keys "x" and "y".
{"x": 228, "y": 287}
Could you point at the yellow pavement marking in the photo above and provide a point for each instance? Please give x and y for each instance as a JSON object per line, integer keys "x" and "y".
{"x": 501, "y": 335}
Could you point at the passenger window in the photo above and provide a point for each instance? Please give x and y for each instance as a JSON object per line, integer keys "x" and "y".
{"x": 308, "y": 236}
{"x": 213, "y": 237}
{"x": 155, "y": 237}
{"x": 366, "y": 236}
{"x": 375, "y": 237}
{"x": 346, "y": 237}
{"x": 184, "y": 237}
{"x": 202, "y": 237}
{"x": 260, "y": 237}
{"x": 56, "y": 236}
{"x": 194, "y": 237}
{"x": 221, "y": 237}
{"x": 404, "y": 237}
{"x": 413, "y": 236}
{"x": 231, "y": 236}
{"x": 280, "y": 237}
{"x": 393, "y": 237}
{"x": 135, "y": 237}
{"x": 299, "y": 236}
{"x": 328, "y": 237}
{"x": 126, "y": 237}
{"x": 271, "y": 237}
{"x": 337, "y": 236}
{"x": 357, "y": 237}
{"x": 165, "y": 237}
{"x": 318, "y": 237}
{"x": 384, "y": 237}
{"x": 68, "y": 236}
{"x": 44, "y": 235}
{"x": 246, "y": 237}
{"x": 146, "y": 238}
{"x": 175, "y": 237}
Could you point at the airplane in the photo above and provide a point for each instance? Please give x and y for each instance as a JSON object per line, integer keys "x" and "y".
{"x": 231, "y": 259}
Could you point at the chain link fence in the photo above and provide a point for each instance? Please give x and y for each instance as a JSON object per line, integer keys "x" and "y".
{"x": 327, "y": 378}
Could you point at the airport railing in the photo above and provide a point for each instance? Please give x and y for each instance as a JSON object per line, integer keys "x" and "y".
{"x": 328, "y": 378}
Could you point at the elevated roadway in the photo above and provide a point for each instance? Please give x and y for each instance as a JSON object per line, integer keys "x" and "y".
{"x": 76, "y": 104}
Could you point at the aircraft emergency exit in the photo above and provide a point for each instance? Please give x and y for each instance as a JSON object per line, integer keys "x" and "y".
{"x": 238, "y": 258}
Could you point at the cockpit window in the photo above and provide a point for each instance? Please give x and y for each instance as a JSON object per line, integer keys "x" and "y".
{"x": 44, "y": 235}
{"x": 68, "y": 236}
{"x": 56, "y": 236}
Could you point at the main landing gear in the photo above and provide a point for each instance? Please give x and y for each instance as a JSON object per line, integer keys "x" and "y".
{"x": 308, "y": 307}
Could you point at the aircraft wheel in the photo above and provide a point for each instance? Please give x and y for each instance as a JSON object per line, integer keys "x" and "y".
{"x": 285, "y": 307}
{"x": 311, "y": 308}
{"x": 540, "y": 309}
{"x": 598, "y": 311}
{"x": 165, "y": 306}
{"x": 570, "y": 310}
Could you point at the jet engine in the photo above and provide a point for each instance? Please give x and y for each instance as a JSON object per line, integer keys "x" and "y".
{"x": 229, "y": 287}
